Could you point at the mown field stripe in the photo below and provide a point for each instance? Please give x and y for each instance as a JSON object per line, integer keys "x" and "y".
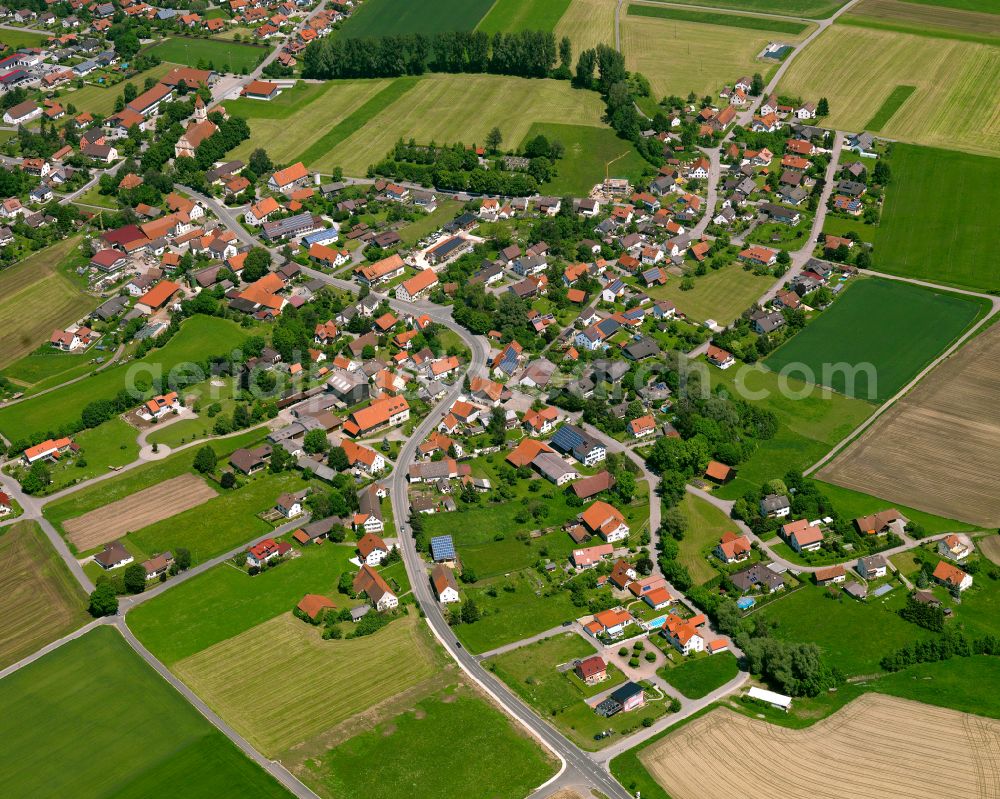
{"x": 891, "y": 105}
{"x": 710, "y": 18}
{"x": 929, "y": 32}
{"x": 354, "y": 122}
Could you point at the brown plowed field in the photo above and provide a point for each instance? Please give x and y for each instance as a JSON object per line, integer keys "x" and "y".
{"x": 938, "y": 448}
{"x": 137, "y": 511}
{"x": 875, "y": 746}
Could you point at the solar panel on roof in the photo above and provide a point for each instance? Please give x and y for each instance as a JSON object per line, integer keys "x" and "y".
{"x": 442, "y": 547}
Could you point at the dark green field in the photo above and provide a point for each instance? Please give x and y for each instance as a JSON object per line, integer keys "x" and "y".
{"x": 507, "y": 16}
{"x": 385, "y": 17}
{"x": 938, "y": 223}
{"x": 813, "y": 9}
{"x": 729, "y": 20}
{"x": 888, "y": 329}
{"x": 221, "y": 55}
{"x": 92, "y": 719}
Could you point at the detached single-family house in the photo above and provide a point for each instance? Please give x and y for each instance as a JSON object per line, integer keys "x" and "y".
{"x": 775, "y": 506}
{"x": 266, "y": 551}
{"x": 592, "y": 670}
{"x": 953, "y": 547}
{"x": 802, "y": 536}
{"x": 872, "y": 567}
{"x": 372, "y": 549}
{"x": 371, "y": 583}
{"x": 112, "y": 556}
{"x": 445, "y": 586}
{"x": 733, "y": 548}
{"x": 952, "y": 576}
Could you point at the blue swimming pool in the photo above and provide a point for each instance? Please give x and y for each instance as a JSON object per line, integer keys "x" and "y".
{"x": 656, "y": 623}
{"x": 745, "y": 603}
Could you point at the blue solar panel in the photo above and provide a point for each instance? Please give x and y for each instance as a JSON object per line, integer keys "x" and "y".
{"x": 442, "y": 547}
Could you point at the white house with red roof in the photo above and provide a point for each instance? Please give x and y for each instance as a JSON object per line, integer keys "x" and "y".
{"x": 159, "y": 406}
{"x": 266, "y": 551}
{"x": 802, "y": 536}
{"x": 372, "y": 549}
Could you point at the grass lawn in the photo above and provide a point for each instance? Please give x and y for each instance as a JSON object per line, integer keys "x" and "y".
{"x": 956, "y": 683}
{"x": 698, "y": 677}
{"x": 101, "y": 99}
{"x": 511, "y": 616}
{"x": 37, "y": 296}
{"x": 111, "y": 444}
{"x": 205, "y": 393}
{"x": 411, "y": 748}
{"x": 218, "y": 525}
{"x": 312, "y": 114}
{"x": 842, "y": 225}
{"x": 679, "y": 56}
{"x": 224, "y": 602}
{"x": 853, "y": 504}
{"x": 465, "y": 107}
{"x": 15, "y": 39}
{"x": 730, "y": 20}
{"x": 580, "y": 723}
{"x": 532, "y": 671}
{"x": 386, "y": 17}
{"x": 722, "y": 294}
{"x": 705, "y": 526}
{"x": 588, "y": 152}
{"x": 40, "y": 600}
{"x": 199, "y": 337}
{"x": 852, "y": 635}
{"x": 940, "y": 242}
{"x": 858, "y": 68}
{"x": 142, "y": 737}
{"x": 150, "y": 474}
{"x": 891, "y": 105}
{"x": 93, "y": 196}
{"x": 425, "y": 224}
{"x": 810, "y": 421}
{"x": 224, "y": 56}
{"x": 293, "y": 711}
{"x": 887, "y": 329}
{"x": 523, "y": 15}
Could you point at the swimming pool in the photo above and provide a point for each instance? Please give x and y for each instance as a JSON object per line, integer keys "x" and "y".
{"x": 745, "y": 603}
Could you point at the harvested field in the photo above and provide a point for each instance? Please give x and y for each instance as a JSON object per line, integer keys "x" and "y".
{"x": 588, "y": 23}
{"x": 137, "y": 511}
{"x": 937, "y": 449}
{"x": 857, "y": 68}
{"x": 876, "y": 745}
{"x": 39, "y": 599}
{"x": 328, "y": 689}
{"x": 680, "y": 57}
{"x": 928, "y": 17}
{"x": 990, "y": 547}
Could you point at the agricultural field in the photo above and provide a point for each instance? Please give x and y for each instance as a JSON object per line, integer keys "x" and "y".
{"x": 465, "y": 107}
{"x": 199, "y": 337}
{"x": 312, "y": 110}
{"x": 810, "y": 421}
{"x": 101, "y": 99}
{"x": 680, "y": 56}
{"x": 221, "y": 55}
{"x": 953, "y": 683}
{"x": 411, "y": 747}
{"x": 36, "y": 297}
{"x": 938, "y": 448}
{"x": 891, "y": 105}
{"x": 722, "y": 294}
{"x": 46, "y": 365}
{"x": 811, "y": 9}
{"x": 508, "y": 16}
{"x": 589, "y": 151}
{"x": 912, "y": 739}
{"x": 926, "y": 19}
{"x": 772, "y": 24}
{"x": 145, "y": 476}
{"x": 940, "y": 242}
{"x": 137, "y": 511}
{"x": 389, "y": 17}
{"x": 957, "y": 97}
{"x": 990, "y": 548}
{"x": 225, "y": 602}
{"x": 141, "y": 735}
{"x": 331, "y": 690}
{"x": 705, "y": 526}
{"x": 217, "y": 525}
{"x": 887, "y": 329}
{"x": 854, "y": 636}
{"x": 40, "y": 601}
{"x": 588, "y": 23}
{"x": 699, "y": 677}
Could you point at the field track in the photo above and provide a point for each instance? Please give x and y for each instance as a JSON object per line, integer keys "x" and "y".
{"x": 875, "y": 746}
{"x": 938, "y": 448}
{"x": 137, "y": 511}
